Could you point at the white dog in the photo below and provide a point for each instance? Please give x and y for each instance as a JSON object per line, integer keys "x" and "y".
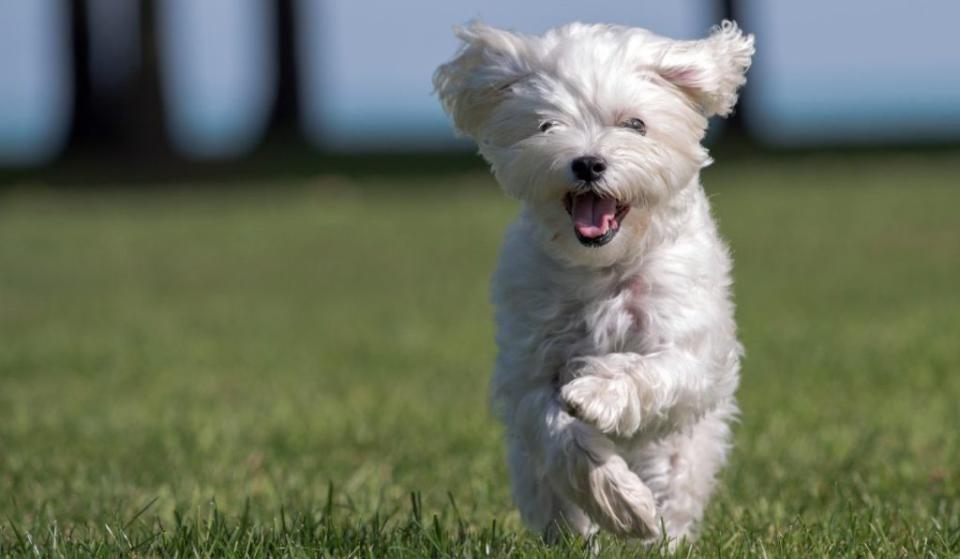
{"x": 618, "y": 357}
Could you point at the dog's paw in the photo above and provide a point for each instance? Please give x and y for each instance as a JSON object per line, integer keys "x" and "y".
{"x": 603, "y": 402}
{"x": 598, "y": 391}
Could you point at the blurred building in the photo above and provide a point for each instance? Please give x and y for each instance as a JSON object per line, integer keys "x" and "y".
{"x": 211, "y": 79}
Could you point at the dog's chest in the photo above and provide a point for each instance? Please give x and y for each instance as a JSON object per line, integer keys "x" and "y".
{"x": 606, "y": 321}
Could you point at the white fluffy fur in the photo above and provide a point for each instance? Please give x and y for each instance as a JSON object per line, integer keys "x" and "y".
{"x": 618, "y": 364}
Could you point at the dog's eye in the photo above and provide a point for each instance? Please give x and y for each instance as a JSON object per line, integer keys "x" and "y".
{"x": 547, "y": 125}
{"x": 635, "y": 124}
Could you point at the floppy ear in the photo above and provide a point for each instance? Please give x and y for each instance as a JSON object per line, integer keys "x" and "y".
{"x": 480, "y": 75}
{"x": 710, "y": 70}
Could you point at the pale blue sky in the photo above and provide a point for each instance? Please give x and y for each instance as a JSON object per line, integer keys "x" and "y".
{"x": 854, "y": 70}
{"x": 373, "y": 78}
{"x": 34, "y": 89}
{"x": 826, "y": 70}
{"x": 218, "y": 72}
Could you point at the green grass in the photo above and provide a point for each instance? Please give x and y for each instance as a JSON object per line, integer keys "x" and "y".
{"x": 302, "y": 368}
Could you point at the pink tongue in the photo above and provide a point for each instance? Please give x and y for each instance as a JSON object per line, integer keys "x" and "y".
{"x": 593, "y": 216}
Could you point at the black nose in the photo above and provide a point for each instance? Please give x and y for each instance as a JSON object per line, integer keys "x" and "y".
{"x": 588, "y": 168}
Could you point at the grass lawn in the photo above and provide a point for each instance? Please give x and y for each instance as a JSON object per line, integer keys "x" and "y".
{"x": 302, "y": 368}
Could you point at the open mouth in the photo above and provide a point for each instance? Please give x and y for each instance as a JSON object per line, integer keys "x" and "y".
{"x": 596, "y": 220}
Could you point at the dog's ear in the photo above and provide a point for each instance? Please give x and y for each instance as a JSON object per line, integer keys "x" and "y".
{"x": 480, "y": 75}
{"x": 710, "y": 70}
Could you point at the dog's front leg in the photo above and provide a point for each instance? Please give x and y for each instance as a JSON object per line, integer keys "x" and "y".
{"x": 619, "y": 393}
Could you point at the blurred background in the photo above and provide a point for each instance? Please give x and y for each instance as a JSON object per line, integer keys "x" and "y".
{"x": 134, "y": 82}
{"x": 244, "y": 279}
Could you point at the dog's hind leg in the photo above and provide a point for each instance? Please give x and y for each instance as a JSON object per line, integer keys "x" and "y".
{"x": 583, "y": 466}
{"x": 681, "y": 471}
{"x": 541, "y": 507}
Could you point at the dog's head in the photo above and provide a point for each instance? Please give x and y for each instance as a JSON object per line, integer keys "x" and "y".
{"x": 593, "y": 127}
